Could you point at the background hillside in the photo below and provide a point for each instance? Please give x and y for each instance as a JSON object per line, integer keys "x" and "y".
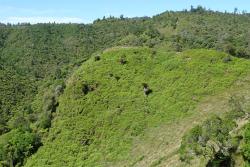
{"x": 65, "y": 95}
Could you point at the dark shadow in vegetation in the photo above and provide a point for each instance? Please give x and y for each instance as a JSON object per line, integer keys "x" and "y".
{"x": 146, "y": 89}
{"x": 220, "y": 160}
{"x": 136, "y": 52}
{"x": 86, "y": 142}
{"x": 97, "y": 58}
{"x": 227, "y": 59}
{"x": 237, "y": 52}
{"x": 86, "y": 88}
{"x": 154, "y": 52}
{"x": 117, "y": 78}
{"x": 3, "y": 126}
{"x": 123, "y": 60}
{"x": 87, "y": 138}
{"x": 50, "y": 105}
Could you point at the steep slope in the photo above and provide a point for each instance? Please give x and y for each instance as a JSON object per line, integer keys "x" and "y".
{"x": 35, "y": 56}
{"x": 161, "y": 144}
{"x": 113, "y": 100}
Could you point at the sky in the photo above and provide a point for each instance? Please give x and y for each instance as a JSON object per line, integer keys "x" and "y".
{"x": 86, "y": 11}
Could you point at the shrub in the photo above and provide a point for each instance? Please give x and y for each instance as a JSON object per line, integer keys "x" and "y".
{"x": 19, "y": 122}
{"x": 189, "y": 145}
{"x": 123, "y": 60}
{"x": 230, "y": 49}
{"x": 16, "y": 145}
{"x": 97, "y": 58}
{"x": 59, "y": 90}
{"x": 45, "y": 120}
{"x": 227, "y": 59}
{"x": 246, "y": 145}
{"x": 86, "y": 88}
{"x": 117, "y": 78}
{"x": 208, "y": 139}
{"x": 242, "y": 53}
{"x": 146, "y": 89}
{"x": 3, "y": 126}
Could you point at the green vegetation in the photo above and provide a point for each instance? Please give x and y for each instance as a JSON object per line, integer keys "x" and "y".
{"x": 211, "y": 139}
{"x": 214, "y": 140}
{"x": 109, "y": 113}
{"x": 35, "y": 61}
{"x": 246, "y": 146}
{"x": 16, "y": 146}
{"x": 80, "y": 94}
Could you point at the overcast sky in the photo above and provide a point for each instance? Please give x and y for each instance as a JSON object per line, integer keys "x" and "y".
{"x": 85, "y": 11}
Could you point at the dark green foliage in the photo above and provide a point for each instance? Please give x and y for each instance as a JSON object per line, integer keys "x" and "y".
{"x": 49, "y": 106}
{"x": 123, "y": 60}
{"x": 97, "y": 58}
{"x": 212, "y": 139}
{"x": 246, "y": 146}
{"x": 209, "y": 139}
{"x": 199, "y": 9}
{"x": 220, "y": 161}
{"x": 146, "y": 89}
{"x": 19, "y": 122}
{"x": 3, "y": 126}
{"x": 203, "y": 28}
{"x": 17, "y": 145}
{"x": 86, "y": 88}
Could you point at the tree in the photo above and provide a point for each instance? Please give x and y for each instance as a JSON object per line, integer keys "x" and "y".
{"x": 122, "y": 17}
{"x": 16, "y": 145}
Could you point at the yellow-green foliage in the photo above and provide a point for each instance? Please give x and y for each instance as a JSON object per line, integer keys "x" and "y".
{"x": 104, "y": 107}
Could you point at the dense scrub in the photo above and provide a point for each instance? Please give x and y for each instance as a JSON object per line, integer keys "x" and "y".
{"x": 37, "y": 60}
{"x": 96, "y": 127}
{"x": 202, "y": 28}
{"x": 38, "y": 54}
{"x": 246, "y": 144}
{"x": 214, "y": 141}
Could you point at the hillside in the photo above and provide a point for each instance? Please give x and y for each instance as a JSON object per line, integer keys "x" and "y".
{"x": 104, "y": 109}
{"x": 125, "y": 91}
{"x": 35, "y": 56}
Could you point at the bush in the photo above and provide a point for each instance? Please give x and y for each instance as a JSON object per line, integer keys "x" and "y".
{"x": 246, "y": 145}
{"x": 242, "y": 53}
{"x": 3, "y": 126}
{"x": 146, "y": 89}
{"x": 45, "y": 120}
{"x": 16, "y": 145}
{"x": 230, "y": 49}
{"x": 189, "y": 146}
{"x": 227, "y": 59}
{"x": 123, "y": 60}
{"x": 19, "y": 122}
{"x": 97, "y": 58}
{"x": 208, "y": 139}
